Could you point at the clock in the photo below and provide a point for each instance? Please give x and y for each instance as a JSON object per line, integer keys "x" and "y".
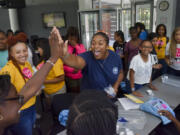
{"x": 163, "y": 5}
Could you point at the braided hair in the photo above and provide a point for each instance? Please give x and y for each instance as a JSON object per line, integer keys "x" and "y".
{"x": 92, "y": 113}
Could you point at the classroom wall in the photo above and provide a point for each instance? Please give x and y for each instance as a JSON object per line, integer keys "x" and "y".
{"x": 4, "y": 21}
{"x": 177, "y": 15}
{"x": 30, "y": 18}
{"x": 167, "y": 17}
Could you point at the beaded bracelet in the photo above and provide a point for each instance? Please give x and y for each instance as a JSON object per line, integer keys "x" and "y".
{"x": 49, "y": 61}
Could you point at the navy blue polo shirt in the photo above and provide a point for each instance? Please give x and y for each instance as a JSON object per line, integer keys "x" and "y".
{"x": 98, "y": 74}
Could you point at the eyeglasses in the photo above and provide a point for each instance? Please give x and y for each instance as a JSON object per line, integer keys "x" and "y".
{"x": 20, "y": 99}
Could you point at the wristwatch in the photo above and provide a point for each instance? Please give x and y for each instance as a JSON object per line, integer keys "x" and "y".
{"x": 132, "y": 89}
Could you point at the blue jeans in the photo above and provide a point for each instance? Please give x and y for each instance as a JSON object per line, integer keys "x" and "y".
{"x": 164, "y": 68}
{"x": 128, "y": 86}
{"x": 26, "y": 122}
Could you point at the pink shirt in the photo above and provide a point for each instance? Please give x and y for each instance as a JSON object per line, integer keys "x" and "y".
{"x": 69, "y": 71}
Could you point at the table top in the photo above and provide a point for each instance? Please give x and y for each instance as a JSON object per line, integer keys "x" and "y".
{"x": 168, "y": 93}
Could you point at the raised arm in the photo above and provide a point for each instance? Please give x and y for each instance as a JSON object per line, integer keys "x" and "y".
{"x": 70, "y": 59}
{"x": 35, "y": 83}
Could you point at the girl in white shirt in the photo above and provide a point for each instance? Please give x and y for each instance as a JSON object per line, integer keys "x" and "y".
{"x": 140, "y": 69}
{"x": 173, "y": 53}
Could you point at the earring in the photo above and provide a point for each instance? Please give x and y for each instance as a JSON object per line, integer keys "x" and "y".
{"x": 1, "y": 117}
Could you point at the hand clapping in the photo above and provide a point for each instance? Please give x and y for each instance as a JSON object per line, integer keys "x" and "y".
{"x": 56, "y": 43}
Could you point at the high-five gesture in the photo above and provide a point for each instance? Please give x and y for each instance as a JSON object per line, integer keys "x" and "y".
{"x": 57, "y": 43}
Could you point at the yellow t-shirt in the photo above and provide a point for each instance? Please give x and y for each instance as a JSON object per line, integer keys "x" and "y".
{"x": 111, "y": 48}
{"x": 17, "y": 79}
{"x": 160, "y": 47}
{"x": 56, "y": 71}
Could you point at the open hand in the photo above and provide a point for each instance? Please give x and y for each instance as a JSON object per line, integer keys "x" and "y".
{"x": 58, "y": 47}
{"x": 152, "y": 87}
{"x": 167, "y": 114}
{"x": 138, "y": 94}
{"x": 157, "y": 66}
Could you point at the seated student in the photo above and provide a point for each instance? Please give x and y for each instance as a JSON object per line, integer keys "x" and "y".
{"x": 92, "y": 113}
{"x": 140, "y": 69}
{"x": 173, "y": 53}
{"x": 10, "y": 101}
{"x": 153, "y": 37}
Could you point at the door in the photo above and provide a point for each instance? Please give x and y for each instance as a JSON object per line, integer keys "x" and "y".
{"x": 125, "y": 22}
{"x": 89, "y": 24}
{"x": 144, "y": 14}
{"x": 110, "y": 23}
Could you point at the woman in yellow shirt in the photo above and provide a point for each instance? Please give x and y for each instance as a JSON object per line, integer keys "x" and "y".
{"x": 11, "y": 101}
{"x": 20, "y": 72}
{"x": 160, "y": 47}
{"x": 54, "y": 83}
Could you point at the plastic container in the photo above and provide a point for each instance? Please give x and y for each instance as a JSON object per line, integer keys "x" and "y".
{"x": 132, "y": 119}
{"x": 125, "y": 131}
{"x": 171, "y": 80}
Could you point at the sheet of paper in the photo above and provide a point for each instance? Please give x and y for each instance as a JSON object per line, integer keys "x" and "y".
{"x": 128, "y": 104}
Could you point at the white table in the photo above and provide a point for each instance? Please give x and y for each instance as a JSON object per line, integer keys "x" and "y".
{"x": 168, "y": 93}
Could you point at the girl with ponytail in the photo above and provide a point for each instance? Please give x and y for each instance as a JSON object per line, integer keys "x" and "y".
{"x": 20, "y": 72}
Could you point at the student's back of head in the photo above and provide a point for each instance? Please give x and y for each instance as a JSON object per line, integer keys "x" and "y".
{"x": 92, "y": 113}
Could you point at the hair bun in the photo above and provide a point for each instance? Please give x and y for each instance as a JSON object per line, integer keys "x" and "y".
{"x": 20, "y": 37}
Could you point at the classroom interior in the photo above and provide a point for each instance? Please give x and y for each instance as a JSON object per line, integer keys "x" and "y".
{"x": 37, "y": 17}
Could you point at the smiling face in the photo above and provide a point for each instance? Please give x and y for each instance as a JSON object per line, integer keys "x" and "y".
{"x": 19, "y": 52}
{"x": 99, "y": 47}
{"x": 161, "y": 31}
{"x": 154, "y": 41}
{"x": 146, "y": 48}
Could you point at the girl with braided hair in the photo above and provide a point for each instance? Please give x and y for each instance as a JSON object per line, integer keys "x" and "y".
{"x": 92, "y": 113}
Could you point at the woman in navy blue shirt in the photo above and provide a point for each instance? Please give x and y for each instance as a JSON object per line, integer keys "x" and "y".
{"x": 101, "y": 67}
